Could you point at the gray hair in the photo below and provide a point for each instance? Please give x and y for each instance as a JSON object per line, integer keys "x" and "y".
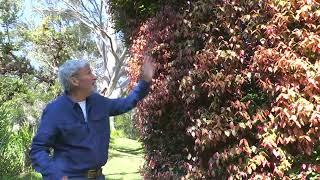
{"x": 68, "y": 69}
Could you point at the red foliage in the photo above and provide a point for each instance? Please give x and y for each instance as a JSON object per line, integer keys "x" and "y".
{"x": 236, "y": 93}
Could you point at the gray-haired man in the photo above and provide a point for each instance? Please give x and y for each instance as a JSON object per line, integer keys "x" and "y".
{"x": 76, "y": 124}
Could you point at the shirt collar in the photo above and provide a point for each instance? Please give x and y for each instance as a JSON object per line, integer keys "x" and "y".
{"x": 72, "y": 103}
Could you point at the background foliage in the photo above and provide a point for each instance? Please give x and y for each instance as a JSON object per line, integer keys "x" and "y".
{"x": 21, "y": 101}
{"x": 128, "y": 15}
{"x": 124, "y": 127}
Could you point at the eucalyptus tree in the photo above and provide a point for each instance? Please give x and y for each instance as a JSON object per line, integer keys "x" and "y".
{"x": 111, "y": 62}
{"x": 55, "y": 40}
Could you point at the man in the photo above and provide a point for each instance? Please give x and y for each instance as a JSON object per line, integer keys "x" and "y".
{"x": 76, "y": 125}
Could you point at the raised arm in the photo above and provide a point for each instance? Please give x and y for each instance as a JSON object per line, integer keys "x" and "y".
{"x": 122, "y": 105}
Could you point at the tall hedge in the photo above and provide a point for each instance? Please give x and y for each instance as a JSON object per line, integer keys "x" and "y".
{"x": 236, "y": 93}
{"x": 127, "y": 15}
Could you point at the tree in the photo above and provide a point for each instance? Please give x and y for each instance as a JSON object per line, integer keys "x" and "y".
{"x": 56, "y": 40}
{"x": 9, "y": 43}
{"x": 93, "y": 14}
{"x": 13, "y": 60}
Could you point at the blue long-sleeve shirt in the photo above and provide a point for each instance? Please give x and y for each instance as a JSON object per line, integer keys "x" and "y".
{"x": 78, "y": 145}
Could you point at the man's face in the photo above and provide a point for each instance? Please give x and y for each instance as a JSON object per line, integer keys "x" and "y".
{"x": 84, "y": 80}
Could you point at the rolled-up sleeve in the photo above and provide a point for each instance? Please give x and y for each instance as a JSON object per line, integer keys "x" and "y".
{"x": 42, "y": 142}
{"x": 122, "y": 105}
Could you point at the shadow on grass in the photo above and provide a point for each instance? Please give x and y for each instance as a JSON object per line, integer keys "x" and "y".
{"x": 119, "y": 174}
{"x": 137, "y": 151}
{"x": 125, "y": 152}
{"x": 126, "y": 173}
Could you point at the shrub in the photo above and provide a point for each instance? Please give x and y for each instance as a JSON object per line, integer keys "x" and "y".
{"x": 128, "y": 15}
{"x": 236, "y": 93}
{"x": 21, "y": 101}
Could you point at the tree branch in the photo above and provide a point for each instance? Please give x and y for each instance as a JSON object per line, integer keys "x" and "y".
{"x": 95, "y": 7}
{"x": 83, "y": 18}
{"x": 88, "y": 11}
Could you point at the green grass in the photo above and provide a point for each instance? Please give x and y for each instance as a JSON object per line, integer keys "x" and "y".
{"x": 24, "y": 176}
{"x": 125, "y": 159}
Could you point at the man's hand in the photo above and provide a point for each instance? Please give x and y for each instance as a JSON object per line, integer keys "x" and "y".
{"x": 64, "y": 178}
{"x": 148, "y": 68}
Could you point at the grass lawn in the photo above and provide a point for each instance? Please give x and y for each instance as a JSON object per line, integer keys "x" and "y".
{"x": 125, "y": 159}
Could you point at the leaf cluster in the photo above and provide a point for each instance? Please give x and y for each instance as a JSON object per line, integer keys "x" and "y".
{"x": 236, "y": 93}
